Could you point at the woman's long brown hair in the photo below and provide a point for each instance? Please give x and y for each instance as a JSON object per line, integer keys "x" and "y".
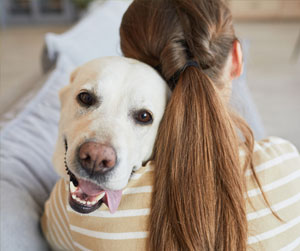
{"x": 198, "y": 196}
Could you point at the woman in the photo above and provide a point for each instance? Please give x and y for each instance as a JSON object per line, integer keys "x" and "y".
{"x": 198, "y": 200}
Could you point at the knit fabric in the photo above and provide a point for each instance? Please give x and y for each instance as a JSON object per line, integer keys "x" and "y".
{"x": 277, "y": 164}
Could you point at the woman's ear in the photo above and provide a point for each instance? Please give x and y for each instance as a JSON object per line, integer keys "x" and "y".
{"x": 237, "y": 60}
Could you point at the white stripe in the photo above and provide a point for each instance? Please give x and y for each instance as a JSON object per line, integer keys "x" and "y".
{"x": 117, "y": 214}
{"x": 133, "y": 190}
{"x": 56, "y": 226}
{"x": 63, "y": 206}
{"x": 273, "y": 162}
{"x": 291, "y": 246}
{"x": 81, "y": 247}
{"x": 50, "y": 229}
{"x": 110, "y": 236}
{"x": 68, "y": 239}
{"x": 275, "y": 207}
{"x": 136, "y": 176}
{"x": 275, "y": 184}
{"x": 273, "y": 232}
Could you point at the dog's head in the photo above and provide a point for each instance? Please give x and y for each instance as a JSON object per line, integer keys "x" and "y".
{"x": 110, "y": 113}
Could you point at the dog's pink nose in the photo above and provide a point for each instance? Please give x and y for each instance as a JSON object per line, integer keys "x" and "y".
{"x": 97, "y": 158}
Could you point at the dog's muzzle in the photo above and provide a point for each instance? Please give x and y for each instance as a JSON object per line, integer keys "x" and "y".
{"x": 86, "y": 196}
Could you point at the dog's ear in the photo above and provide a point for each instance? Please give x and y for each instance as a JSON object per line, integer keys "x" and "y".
{"x": 74, "y": 74}
{"x": 63, "y": 92}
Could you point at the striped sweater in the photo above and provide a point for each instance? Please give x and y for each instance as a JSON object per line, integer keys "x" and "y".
{"x": 277, "y": 164}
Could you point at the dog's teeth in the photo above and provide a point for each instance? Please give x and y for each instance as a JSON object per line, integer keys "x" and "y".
{"x": 92, "y": 203}
{"x": 100, "y": 196}
{"x": 85, "y": 202}
{"x": 72, "y": 187}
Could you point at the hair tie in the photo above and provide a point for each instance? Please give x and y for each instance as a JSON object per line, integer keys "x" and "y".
{"x": 175, "y": 77}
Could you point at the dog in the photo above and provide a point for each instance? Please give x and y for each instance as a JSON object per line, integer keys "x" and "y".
{"x": 110, "y": 114}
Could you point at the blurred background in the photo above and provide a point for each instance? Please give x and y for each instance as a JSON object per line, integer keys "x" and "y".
{"x": 271, "y": 29}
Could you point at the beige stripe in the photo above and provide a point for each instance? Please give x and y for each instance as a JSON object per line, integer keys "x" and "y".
{"x": 58, "y": 225}
{"x": 276, "y": 231}
{"x": 111, "y": 225}
{"x": 139, "y": 189}
{"x": 62, "y": 198}
{"x": 50, "y": 232}
{"x": 110, "y": 245}
{"x": 63, "y": 203}
{"x": 278, "y": 241}
{"x": 56, "y": 238}
{"x": 275, "y": 207}
{"x": 275, "y": 184}
{"x": 292, "y": 245}
{"x": 80, "y": 247}
{"x": 269, "y": 222}
{"x": 268, "y": 164}
{"x": 135, "y": 201}
{"x": 274, "y": 196}
{"x": 274, "y": 173}
{"x": 62, "y": 220}
{"x": 109, "y": 236}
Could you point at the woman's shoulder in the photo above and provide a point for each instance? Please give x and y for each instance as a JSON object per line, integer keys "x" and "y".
{"x": 276, "y": 163}
{"x": 276, "y": 151}
{"x": 277, "y": 167}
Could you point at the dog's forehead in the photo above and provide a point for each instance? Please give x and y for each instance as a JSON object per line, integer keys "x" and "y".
{"x": 118, "y": 73}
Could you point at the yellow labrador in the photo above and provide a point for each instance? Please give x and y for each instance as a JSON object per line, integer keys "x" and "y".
{"x": 110, "y": 115}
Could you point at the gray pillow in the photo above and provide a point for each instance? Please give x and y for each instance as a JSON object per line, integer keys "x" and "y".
{"x": 27, "y": 175}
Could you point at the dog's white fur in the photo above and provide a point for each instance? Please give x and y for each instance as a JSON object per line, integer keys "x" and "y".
{"x": 123, "y": 86}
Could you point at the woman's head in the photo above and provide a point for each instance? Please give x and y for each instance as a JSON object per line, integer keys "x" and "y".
{"x": 168, "y": 33}
{"x": 198, "y": 194}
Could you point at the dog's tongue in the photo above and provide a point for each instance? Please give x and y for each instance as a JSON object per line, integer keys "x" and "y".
{"x": 112, "y": 198}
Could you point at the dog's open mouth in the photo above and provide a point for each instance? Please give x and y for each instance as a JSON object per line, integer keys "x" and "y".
{"x": 86, "y": 197}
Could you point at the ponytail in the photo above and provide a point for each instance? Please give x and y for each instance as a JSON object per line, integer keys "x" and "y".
{"x": 197, "y": 201}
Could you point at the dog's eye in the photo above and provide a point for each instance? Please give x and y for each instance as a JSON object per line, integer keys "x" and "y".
{"x": 86, "y": 99}
{"x": 143, "y": 117}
